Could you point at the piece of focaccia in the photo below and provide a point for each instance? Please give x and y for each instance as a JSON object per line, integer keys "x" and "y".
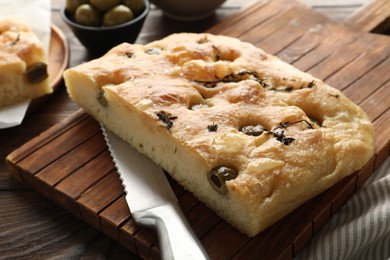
{"x": 23, "y": 64}
{"x": 251, "y": 136}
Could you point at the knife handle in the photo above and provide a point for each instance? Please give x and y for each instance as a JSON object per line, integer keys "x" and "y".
{"x": 177, "y": 240}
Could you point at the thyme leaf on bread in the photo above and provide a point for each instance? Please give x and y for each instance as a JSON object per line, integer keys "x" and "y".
{"x": 240, "y": 76}
{"x": 286, "y": 124}
{"x": 166, "y": 118}
{"x": 279, "y": 135}
{"x": 16, "y": 40}
{"x": 335, "y": 95}
{"x": 311, "y": 84}
{"x": 235, "y": 77}
{"x": 277, "y": 132}
{"x": 244, "y": 75}
{"x": 232, "y": 77}
{"x": 203, "y": 40}
{"x": 262, "y": 83}
{"x": 212, "y": 128}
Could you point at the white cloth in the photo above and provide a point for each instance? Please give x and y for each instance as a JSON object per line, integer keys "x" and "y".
{"x": 361, "y": 228}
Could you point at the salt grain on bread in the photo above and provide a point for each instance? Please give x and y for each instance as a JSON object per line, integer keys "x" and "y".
{"x": 249, "y": 135}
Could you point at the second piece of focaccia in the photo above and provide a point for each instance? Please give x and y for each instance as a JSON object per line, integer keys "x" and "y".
{"x": 23, "y": 63}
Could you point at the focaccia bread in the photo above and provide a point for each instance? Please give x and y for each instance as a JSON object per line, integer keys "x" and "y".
{"x": 251, "y": 136}
{"x": 23, "y": 63}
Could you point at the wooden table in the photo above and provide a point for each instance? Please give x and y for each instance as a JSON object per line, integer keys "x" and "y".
{"x": 32, "y": 227}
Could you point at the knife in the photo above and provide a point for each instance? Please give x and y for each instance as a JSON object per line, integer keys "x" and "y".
{"x": 152, "y": 202}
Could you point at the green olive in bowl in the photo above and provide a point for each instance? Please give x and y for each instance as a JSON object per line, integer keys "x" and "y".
{"x": 104, "y": 13}
{"x": 117, "y": 15}
{"x": 135, "y": 5}
{"x": 71, "y": 5}
{"x": 87, "y": 15}
{"x": 98, "y": 39}
{"x": 104, "y": 5}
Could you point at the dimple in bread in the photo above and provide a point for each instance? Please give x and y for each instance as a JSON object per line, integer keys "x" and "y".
{"x": 249, "y": 135}
{"x": 23, "y": 63}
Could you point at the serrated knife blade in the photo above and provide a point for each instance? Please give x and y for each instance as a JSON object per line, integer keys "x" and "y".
{"x": 152, "y": 202}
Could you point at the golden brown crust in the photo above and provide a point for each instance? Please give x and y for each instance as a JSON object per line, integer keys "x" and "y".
{"x": 197, "y": 91}
{"x": 20, "y": 49}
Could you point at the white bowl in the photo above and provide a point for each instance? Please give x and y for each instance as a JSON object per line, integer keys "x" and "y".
{"x": 188, "y": 10}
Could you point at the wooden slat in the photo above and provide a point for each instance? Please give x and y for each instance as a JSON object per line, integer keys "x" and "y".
{"x": 378, "y": 45}
{"x": 144, "y": 241}
{"x": 337, "y": 60}
{"x": 249, "y": 18}
{"x": 126, "y": 234}
{"x": 360, "y": 89}
{"x": 114, "y": 216}
{"x": 362, "y": 176}
{"x": 382, "y": 144}
{"x": 296, "y": 27}
{"x": 372, "y": 17}
{"x": 273, "y": 24}
{"x": 71, "y": 165}
{"x": 66, "y": 192}
{"x": 202, "y": 219}
{"x": 68, "y": 141}
{"x": 325, "y": 49}
{"x": 372, "y": 104}
{"x": 302, "y": 238}
{"x": 85, "y": 177}
{"x": 53, "y": 173}
{"x": 308, "y": 42}
{"x": 36, "y": 143}
{"x": 225, "y": 235}
{"x": 98, "y": 197}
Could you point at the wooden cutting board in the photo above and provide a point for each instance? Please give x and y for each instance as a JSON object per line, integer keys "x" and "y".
{"x": 70, "y": 163}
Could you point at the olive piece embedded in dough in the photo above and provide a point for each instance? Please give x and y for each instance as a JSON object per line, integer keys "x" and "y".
{"x": 218, "y": 177}
{"x": 101, "y": 98}
{"x": 36, "y": 73}
{"x": 71, "y": 5}
{"x": 117, "y": 15}
{"x": 254, "y": 130}
{"x": 135, "y": 5}
{"x": 104, "y": 5}
{"x": 87, "y": 15}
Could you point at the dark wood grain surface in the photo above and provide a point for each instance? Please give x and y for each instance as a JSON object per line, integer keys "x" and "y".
{"x": 31, "y": 226}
